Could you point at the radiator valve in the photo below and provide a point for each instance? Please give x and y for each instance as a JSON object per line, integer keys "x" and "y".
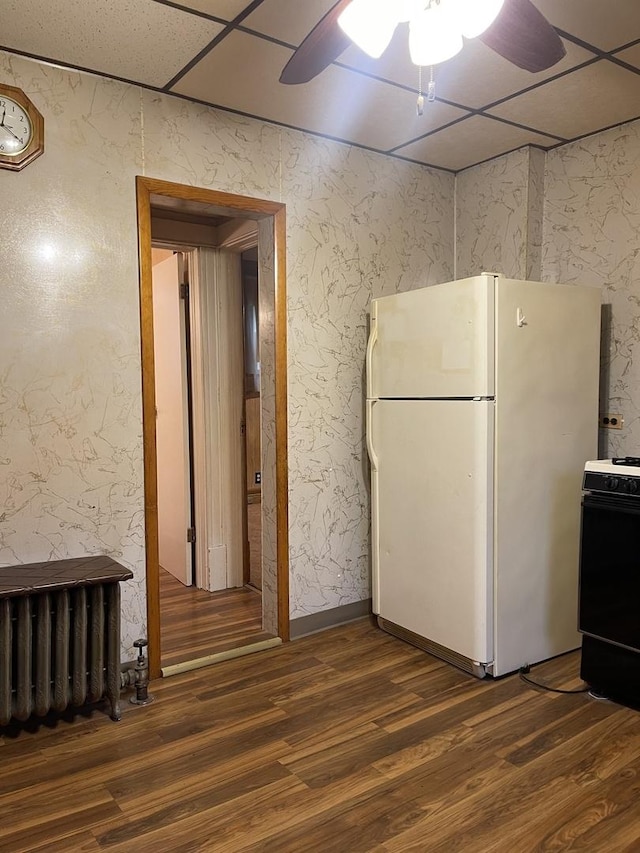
{"x": 141, "y": 676}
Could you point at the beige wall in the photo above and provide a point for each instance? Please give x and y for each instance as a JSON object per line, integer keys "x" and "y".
{"x": 70, "y": 405}
{"x": 499, "y": 212}
{"x": 592, "y": 235}
{"x": 574, "y": 215}
{"x": 358, "y": 225}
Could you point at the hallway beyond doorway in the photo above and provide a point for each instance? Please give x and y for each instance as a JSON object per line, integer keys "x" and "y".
{"x": 197, "y": 623}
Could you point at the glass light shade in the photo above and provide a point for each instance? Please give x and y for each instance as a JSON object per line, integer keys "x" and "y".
{"x": 476, "y": 16}
{"x": 434, "y": 35}
{"x": 370, "y": 24}
{"x": 407, "y": 9}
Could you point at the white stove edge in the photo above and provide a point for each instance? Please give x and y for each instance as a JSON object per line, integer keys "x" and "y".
{"x": 606, "y": 466}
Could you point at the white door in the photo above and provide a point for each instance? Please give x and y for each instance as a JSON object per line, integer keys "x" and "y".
{"x": 433, "y": 342}
{"x": 218, "y": 377}
{"x": 432, "y": 467}
{"x": 172, "y": 444}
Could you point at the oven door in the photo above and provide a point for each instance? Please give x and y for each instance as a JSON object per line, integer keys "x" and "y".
{"x": 609, "y": 600}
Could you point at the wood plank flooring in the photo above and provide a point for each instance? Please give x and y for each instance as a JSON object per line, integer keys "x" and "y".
{"x": 196, "y": 623}
{"x": 348, "y": 740}
{"x": 254, "y": 534}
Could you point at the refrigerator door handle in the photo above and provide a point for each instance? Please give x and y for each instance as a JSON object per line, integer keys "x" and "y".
{"x": 375, "y": 526}
{"x": 373, "y": 337}
{"x": 373, "y": 459}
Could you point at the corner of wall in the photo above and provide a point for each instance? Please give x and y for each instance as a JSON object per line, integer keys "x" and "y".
{"x": 455, "y": 227}
{"x": 498, "y": 215}
{"x": 535, "y": 213}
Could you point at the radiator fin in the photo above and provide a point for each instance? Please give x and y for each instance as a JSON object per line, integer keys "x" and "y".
{"x": 42, "y": 680}
{"x": 23, "y": 657}
{"x": 58, "y": 649}
{"x": 6, "y": 657}
{"x": 61, "y": 634}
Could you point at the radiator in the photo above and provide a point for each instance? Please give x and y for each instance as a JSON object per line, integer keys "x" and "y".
{"x": 59, "y": 637}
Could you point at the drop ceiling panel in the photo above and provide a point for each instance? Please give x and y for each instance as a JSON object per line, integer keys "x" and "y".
{"x": 471, "y": 141}
{"x": 365, "y": 102}
{"x": 225, "y": 9}
{"x": 592, "y": 98}
{"x": 338, "y": 103}
{"x": 287, "y": 20}
{"x": 133, "y": 39}
{"x": 631, "y": 55}
{"x": 606, "y": 24}
{"x": 475, "y": 77}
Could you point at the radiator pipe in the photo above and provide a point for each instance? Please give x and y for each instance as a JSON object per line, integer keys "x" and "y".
{"x": 138, "y": 677}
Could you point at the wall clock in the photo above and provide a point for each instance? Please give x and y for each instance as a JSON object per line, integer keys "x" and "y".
{"x": 21, "y": 129}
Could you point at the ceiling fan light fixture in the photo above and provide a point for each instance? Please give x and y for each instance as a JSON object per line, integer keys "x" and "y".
{"x": 370, "y": 24}
{"x": 434, "y": 35}
{"x": 476, "y": 16}
{"x": 408, "y": 9}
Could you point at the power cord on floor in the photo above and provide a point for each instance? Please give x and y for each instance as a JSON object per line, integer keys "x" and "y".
{"x": 524, "y": 670}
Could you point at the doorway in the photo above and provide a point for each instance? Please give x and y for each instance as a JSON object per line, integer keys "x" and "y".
{"x": 173, "y": 426}
{"x": 252, "y": 428}
{"x": 269, "y": 217}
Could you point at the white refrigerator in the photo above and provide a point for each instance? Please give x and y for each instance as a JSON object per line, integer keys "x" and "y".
{"x": 482, "y": 408}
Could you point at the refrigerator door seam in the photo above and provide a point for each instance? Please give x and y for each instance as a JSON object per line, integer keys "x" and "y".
{"x": 427, "y": 399}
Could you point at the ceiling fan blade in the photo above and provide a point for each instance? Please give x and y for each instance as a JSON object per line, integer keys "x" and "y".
{"x": 523, "y": 35}
{"x": 321, "y": 47}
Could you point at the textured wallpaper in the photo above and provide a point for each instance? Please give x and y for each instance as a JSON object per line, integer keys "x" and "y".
{"x": 592, "y": 235}
{"x": 499, "y": 216}
{"x": 70, "y": 406}
{"x": 359, "y": 225}
{"x": 491, "y": 217}
{"x": 571, "y": 215}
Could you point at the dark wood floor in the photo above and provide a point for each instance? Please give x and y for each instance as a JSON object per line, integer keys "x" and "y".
{"x": 196, "y": 623}
{"x": 348, "y": 741}
{"x": 254, "y": 534}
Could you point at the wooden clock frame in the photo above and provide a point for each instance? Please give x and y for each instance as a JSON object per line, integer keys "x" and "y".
{"x": 36, "y": 146}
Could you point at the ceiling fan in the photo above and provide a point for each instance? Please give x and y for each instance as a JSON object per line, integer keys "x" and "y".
{"x": 516, "y": 31}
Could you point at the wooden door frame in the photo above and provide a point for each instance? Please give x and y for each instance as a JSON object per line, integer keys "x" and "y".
{"x": 250, "y": 208}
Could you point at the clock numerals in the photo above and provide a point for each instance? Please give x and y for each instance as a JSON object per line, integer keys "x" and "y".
{"x": 15, "y": 124}
{"x": 21, "y": 129}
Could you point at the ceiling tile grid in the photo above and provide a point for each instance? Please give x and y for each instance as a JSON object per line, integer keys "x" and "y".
{"x": 287, "y": 20}
{"x": 130, "y": 39}
{"x": 227, "y": 10}
{"x": 230, "y": 53}
{"x": 475, "y": 77}
{"x": 478, "y": 138}
{"x": 631, "y": 55}
{"x": 605, "y": 24}
{"x": 589, "y": 99}
{"x": 337, "y": 104}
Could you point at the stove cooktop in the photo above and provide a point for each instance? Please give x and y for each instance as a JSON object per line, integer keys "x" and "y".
{"x": 624, "y": 466}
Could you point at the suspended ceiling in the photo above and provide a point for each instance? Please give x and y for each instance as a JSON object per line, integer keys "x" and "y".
{"x": 229, "y": 54}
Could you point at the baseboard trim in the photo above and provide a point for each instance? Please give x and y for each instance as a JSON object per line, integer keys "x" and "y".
{"x": 324, "y": 619}
{"x": 229, "y": 654}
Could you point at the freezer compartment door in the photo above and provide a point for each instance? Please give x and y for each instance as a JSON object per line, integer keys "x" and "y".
{"x": 433, "y": 342}
{"x": 431, "y": 519}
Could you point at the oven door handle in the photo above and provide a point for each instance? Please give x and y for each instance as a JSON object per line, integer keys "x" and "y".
{"x": 617, "y": 503}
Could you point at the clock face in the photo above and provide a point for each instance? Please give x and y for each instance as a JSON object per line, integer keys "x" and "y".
{"x": 16, "y": 129}
{"x": 21, "y": 129}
